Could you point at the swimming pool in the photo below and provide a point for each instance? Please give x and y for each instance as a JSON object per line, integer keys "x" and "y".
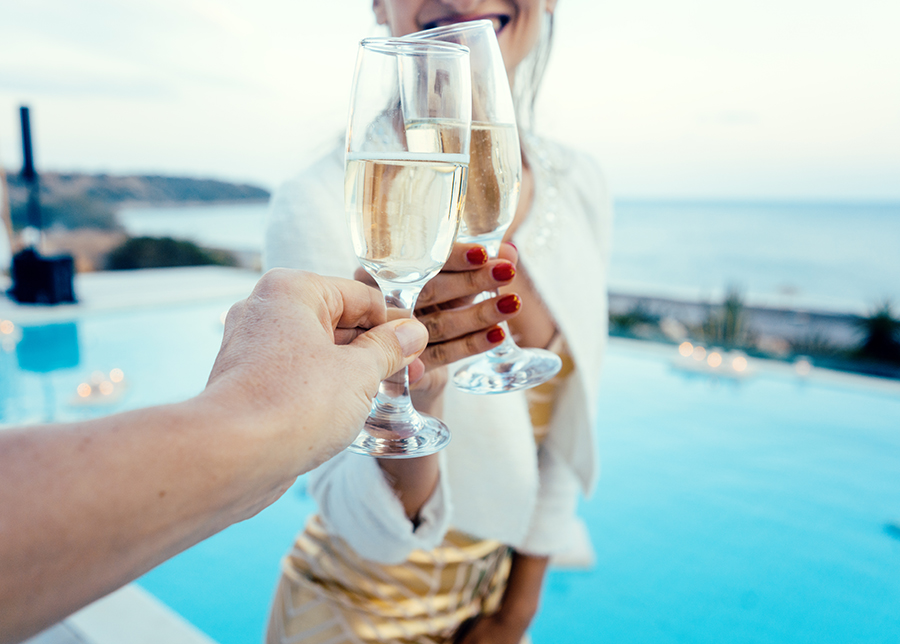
{"x": 739, "y": 511}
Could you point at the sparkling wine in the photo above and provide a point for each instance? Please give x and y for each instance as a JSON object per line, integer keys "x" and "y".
{"x": 404, "y": 211}
{"x": 495, "y": 174}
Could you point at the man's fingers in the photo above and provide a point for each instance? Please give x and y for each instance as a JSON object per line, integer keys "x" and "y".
{"x": 339, "y": 302}
{"x": 363, "y": 306}
{"x": 360, "y": 275}
{"x": 416, "y": 370}
{"x": 391, "y": 346}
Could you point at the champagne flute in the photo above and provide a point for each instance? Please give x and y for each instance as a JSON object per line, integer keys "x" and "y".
{"x": 495, "y": 176}
{"x": 406, "y": 163}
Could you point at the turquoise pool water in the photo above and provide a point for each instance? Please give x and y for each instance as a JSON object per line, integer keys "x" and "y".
{"x": 752, "y": 511}
{"x": 742, "y": 512}
{"x": 165, "y": 356}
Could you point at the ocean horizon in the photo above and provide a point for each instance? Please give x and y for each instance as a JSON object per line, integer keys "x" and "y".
{"x": 839, "y": 256}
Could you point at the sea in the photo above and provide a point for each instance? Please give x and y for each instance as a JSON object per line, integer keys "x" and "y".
{"x": 840, "y": 257}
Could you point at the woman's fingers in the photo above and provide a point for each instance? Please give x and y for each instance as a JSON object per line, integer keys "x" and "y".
{"x": 467, "y": 272}
{"x": 466, "y": 257}
{"x": 449, "y": 324}
{"x": 454, "y": 334}
{"x": 448, "y": 286}
{"x": 444, "y": 353}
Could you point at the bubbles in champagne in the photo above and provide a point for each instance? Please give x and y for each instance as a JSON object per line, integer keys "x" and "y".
{"x": 404, "y": 212}
{"x": 495, "y": 174}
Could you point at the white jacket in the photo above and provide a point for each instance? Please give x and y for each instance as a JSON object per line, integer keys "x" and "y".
{"x": 494, "y": 484}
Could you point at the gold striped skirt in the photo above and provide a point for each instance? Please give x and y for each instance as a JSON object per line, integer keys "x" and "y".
{"x": 328, "y": 594}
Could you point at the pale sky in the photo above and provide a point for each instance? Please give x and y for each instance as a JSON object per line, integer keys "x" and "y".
{"x": 771, "y": 99}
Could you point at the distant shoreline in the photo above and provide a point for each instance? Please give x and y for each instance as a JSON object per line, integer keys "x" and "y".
{"x": 125, "y": 205}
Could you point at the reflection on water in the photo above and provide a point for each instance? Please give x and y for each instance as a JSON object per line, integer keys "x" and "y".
{"x": 49, "y": 347}
{"x": 105, "y": 363}
{"x": 45, "y": 349}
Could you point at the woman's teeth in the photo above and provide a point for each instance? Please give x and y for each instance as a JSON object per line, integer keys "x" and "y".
{"x": 499, "y": 21}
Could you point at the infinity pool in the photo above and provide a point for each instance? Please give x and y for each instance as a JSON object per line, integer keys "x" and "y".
{"x": 759, "y": 510}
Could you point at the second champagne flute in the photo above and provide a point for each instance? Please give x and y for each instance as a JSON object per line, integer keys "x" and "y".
{"x": 495, "y": 176}
{"x": 405, "y": 182}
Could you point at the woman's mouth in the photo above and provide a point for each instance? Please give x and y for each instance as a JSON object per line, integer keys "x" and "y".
{"x": 499, "y": 21}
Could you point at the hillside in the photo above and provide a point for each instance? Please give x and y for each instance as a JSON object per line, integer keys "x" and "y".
{"x": 113, "y": 189}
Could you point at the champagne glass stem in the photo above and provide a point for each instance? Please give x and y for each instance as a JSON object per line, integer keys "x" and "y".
{"x": 508, "y": 345}
{"x": 393, "y": 392}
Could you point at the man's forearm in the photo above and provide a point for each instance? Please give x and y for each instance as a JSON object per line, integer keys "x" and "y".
{"x": 113, "y": 498}
{"x": 87, "y": 507}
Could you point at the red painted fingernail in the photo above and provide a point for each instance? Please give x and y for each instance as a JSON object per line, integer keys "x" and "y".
{"x": 504, "y": 272}
{"x": 477, "y": 256}
{"x": 509, "y": 304}
{"x": 495, "y": 335}
{"x": 514, "y": 246}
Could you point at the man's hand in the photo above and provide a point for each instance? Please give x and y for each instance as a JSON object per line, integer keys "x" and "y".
{"x": 302, "y": 358}
{"x": 89, "y": 506}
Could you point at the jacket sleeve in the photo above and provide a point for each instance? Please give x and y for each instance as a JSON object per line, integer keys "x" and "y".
{"x": 567, "y": 459}
{"x": 306, "y": 226}
{"x": 357, "y": 503}
{"x": 554, "y": 523}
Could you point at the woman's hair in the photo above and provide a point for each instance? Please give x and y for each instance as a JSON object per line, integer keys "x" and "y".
{"x": 529, "y": 75}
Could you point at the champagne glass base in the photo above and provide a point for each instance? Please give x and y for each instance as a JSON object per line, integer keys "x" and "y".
{"x": 430, "y": 436}
{"x": 521, "y": 369}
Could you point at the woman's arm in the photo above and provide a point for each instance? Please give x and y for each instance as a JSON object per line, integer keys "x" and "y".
{"x": 457, "y": 329}
{"x": 517, "y": 608}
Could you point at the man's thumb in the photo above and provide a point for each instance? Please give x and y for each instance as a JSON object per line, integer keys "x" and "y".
{"x": 393, "y": 345}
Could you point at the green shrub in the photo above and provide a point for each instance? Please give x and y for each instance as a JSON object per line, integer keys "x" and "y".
{"x": 636, "y": 319}
{"x": 726, "y": 325}
{"x": 165, "y": 252}
{"x": 881, "y": 330}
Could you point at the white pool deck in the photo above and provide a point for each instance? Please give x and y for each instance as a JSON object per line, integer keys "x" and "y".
{"x": 131, "y": 290}
{"x": 130, "y": 615}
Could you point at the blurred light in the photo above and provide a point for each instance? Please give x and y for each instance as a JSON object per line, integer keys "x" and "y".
{"x": 699, "y": 353}
{"x": 116, "y": 375}
{"x": 803, "y": 367}
{"x": 84, "y": 390}
{"x": 7, "y": 327}
{"x": 739, "y": 363}
{"x": 685, "y": 349}
{"x": 106, "y": 387}
{"x": 714, "y": 359}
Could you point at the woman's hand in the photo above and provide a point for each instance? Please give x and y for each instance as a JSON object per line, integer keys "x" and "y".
{"x": 457, "y": 327}
{"x": 517, "y": 608}
{"x": 492, "y": 629}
